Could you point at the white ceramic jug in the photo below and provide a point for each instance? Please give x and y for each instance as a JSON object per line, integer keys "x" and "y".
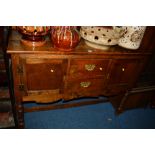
{"x": 132, "y": 36}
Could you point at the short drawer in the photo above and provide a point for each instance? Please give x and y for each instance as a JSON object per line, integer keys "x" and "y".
{"x": 85, "y": 87}
{"x": 88, "y": 67}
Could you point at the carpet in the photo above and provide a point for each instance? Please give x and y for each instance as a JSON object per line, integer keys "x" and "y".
{"x": 99, "y": 116}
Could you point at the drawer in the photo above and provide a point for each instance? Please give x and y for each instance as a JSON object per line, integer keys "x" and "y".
{"x": 88, "y": 67}
{"x": 85, "y": 87}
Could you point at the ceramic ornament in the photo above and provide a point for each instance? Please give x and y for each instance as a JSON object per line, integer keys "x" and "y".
{"x": 101, "y": 37}
{"x": 132, "y": 37}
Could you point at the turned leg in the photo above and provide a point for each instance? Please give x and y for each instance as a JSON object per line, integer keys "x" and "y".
{"x": 20, "y": 115}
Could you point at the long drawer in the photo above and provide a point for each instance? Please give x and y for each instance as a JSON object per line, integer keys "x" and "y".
{"x": 85, "y": 87}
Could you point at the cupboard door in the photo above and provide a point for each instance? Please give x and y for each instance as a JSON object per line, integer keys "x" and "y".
{"x": 43, "y": 74}
{"x": 123, "y": 75}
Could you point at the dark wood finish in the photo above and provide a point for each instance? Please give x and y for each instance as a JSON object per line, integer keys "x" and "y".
{"x": 135, "y": 98}
{"x": 6, "y": 100}
{"x": 148, "y": 40}
{"x": 44, "y": 74}
{"x": 3, "y": 75}
{"x": 123, "y": 75}
{"x": 4, "y": 93}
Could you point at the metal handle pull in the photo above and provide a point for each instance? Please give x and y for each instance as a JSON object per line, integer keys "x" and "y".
{"x": 100, "y": 68}
{"x": 90, "y": 67}
{"x": 85, "y": 84}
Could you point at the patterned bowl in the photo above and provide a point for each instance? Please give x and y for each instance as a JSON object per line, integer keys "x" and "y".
{"x": 101, "y": 37}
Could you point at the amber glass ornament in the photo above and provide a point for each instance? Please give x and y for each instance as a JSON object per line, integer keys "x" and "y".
{"x": 65, "y": 38}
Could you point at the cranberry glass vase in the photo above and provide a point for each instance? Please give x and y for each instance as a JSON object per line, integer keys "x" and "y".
{"x": 33, "y": 35}
{"x": 65, "y": 38}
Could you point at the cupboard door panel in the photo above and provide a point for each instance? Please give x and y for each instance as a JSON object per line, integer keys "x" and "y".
{"x": 123, "y": 75}
{"x": 124, "y": 71}
{"x": 43, "y": 74}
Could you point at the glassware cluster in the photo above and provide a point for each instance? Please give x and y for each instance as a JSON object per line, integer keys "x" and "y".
{"x": 66, "y": 38}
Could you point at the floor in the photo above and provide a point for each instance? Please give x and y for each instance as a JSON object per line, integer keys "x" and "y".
{"x": 99, "y": 116}
{"x": 6, "y": 115}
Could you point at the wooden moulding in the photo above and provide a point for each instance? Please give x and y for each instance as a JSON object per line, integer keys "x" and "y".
{"x": 42, "y": 98}
{"x": 65, "y": 105}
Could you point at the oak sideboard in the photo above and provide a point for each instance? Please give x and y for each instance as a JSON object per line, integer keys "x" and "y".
{"x": 46, "y": 75}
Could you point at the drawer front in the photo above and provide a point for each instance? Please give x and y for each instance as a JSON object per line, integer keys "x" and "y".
{"x": 43, "y": 74}
{"x": 88, "y": 67}
{"x": 85, "y": 87}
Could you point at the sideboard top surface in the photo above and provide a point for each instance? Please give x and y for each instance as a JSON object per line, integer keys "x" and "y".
{"x": 15, "y": 46}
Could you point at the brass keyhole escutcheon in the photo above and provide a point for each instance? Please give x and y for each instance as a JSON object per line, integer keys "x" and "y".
{"x": 90, "y": 67}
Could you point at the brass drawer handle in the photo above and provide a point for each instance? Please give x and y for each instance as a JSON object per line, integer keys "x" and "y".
{"x": 85, "y": 84}
{"x": 90, "y": 67}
